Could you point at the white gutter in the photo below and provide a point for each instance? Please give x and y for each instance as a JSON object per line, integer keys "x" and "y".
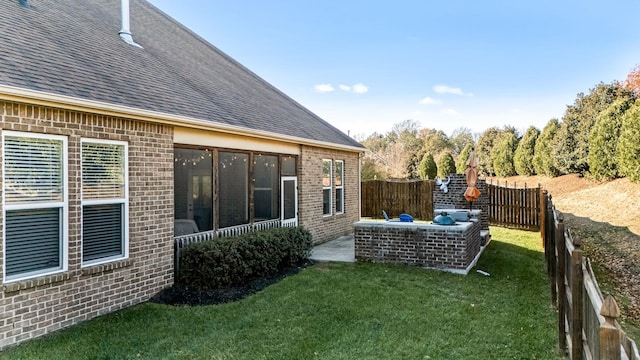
{"x": 125, "y": 32}
{"x": 11, "y": 93}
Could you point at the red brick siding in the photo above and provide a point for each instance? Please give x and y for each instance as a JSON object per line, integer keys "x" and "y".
{"x": 326, "y": 228}
{"x": 38, "y": 306}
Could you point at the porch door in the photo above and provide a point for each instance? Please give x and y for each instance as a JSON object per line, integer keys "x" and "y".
{"x": 289, "y": 201}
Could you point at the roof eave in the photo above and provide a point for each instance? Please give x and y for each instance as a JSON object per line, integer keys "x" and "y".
{"x": 10, "y": 93}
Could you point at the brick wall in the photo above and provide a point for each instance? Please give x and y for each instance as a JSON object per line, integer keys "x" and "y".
{"x": 35, "y": 307}
{"x": 454, "y": 198}
{"x": 326, "y": 228}
{"x": 442, "y": 247}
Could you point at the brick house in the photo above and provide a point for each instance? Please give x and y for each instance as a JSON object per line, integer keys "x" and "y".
{"x": 109, "y": 140}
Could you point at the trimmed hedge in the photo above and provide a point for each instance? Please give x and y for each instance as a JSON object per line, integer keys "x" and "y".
{"x": 230, "y": 261}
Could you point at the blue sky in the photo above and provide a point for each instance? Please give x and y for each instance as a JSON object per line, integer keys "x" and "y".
{"x": 366, "y": 65}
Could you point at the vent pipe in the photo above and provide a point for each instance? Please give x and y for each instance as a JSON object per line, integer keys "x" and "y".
{"x": 125, "y": 32}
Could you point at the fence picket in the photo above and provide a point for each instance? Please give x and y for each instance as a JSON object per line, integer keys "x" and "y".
{"x": 587, "y": 326}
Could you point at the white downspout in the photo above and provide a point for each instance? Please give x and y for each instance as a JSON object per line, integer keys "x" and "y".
{"x": 125, "y": 32}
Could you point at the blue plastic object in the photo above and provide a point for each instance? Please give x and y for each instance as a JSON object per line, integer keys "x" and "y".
{"x": 406, "y": 218}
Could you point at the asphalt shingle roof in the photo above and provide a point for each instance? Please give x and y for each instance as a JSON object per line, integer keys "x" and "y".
{"x": 72, "y": 48}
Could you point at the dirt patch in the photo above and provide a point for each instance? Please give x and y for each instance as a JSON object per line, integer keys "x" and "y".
{"x": 606, "y": 217}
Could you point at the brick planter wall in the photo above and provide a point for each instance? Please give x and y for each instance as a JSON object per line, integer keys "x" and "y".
{"x": 452, "y": 248}
{"x": 37, "y": 306}
{"x": 454, "y": 198}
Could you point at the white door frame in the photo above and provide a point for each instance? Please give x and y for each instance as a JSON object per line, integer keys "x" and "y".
{"x": 292, "y": 221}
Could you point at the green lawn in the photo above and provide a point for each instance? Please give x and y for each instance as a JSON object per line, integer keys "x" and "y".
{"x": 343, "y": 311}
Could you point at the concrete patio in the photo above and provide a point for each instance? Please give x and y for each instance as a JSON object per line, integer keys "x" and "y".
{"x": 340, "y": 250}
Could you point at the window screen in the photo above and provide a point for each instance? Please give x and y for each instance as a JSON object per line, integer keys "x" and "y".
{"x": 339, "y": 181}
{"x": 34, "y": 181}
{"x": 104, "y": 201}
{"x": 326, "y": 186}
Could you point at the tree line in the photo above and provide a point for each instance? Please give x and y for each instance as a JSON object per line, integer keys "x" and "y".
{"x": 598, "y": 136}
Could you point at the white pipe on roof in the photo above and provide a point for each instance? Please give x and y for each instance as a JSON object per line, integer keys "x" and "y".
{"x": 125, "y": 32}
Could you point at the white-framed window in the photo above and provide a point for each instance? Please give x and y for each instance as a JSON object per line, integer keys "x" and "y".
{"x": 105, "y": 201}
{"x": 36, "y": 204}
{"x": 327, "y": 185}
{"x": 339, "y": 182}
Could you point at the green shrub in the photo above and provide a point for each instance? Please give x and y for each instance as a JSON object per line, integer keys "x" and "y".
{"x": 230, "y": 261}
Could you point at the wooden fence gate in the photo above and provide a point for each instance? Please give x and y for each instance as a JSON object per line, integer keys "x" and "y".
{"x": 513, "y": 207}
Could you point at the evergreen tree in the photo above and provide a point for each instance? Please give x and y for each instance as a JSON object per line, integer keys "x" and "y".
{"x": 502, "y": 153}
{"x": 446, "y": 165}
{"x": 570, "y": 146}
{"x": 628, "y": 151}
{"x": 428, "y": 169}
{"x": 603, "y": 141}
{"x": 461, "y": 164}
{"x": 542, "y": 163}
{"x": 483, "y": 151}
{"x": 523, "y": 156}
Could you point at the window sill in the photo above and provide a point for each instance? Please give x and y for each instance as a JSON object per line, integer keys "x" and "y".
{"x": 32, "y": 283}
{"x": 102, "y": 268}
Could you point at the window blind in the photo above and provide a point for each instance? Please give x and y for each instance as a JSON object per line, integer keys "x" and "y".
{"x": 33, "y": 170}
{"x": 32, "y": 240}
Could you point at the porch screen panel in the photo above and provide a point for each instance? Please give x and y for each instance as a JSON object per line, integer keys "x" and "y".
{"x": 233, "y": 188}
{"x": 289, "y": 165}
{"x": 289, "y": 199}
{"x": 266, "y": 181}
{"x": 193, "y": 186}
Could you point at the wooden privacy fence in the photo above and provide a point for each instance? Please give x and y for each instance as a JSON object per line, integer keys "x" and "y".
{"x": 410, "y": 197}
{"x": 513, "y": 207}
{"x": 587, "y": 326}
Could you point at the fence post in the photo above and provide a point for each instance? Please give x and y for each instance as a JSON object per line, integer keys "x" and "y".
{"x": 577, "y": 284}
{"x": 543, "y": 217}
{"x": 558, "y": 286}
{"x": 609, "y": 333}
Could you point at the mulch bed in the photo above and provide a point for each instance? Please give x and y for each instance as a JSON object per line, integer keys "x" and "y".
{"x": 179, "y": 295}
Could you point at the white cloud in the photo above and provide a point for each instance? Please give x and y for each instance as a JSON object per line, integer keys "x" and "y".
{"x": 327, "y": 88}
{"x": 360, "y": 88}
{"x": 430, "y": 101}
{"x": 324, "y": 88}
{"x": 449, "y": 112}
{"x": 444, "y": 89}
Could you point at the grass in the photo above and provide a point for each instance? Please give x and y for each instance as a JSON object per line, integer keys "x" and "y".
{"x": 343, "y": 311}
